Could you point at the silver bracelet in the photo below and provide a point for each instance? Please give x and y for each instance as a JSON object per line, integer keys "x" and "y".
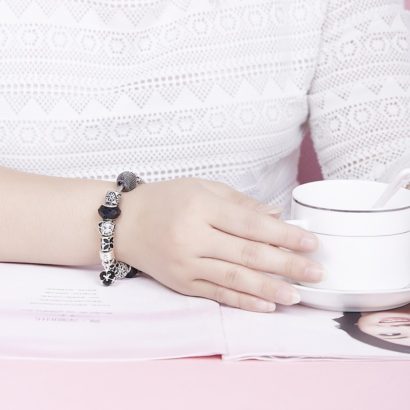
{"x": 109, "y": 211}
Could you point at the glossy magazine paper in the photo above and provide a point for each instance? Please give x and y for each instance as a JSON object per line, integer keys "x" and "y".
{"x": 64, "y": 312}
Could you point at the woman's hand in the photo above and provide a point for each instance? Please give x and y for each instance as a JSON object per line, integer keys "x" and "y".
{"x": 205, "y": 239}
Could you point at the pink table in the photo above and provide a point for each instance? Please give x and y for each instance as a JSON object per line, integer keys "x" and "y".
{"x": 204, "y": 384}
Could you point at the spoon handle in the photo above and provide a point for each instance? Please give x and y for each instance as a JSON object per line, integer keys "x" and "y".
{"x": 401, "y": 179}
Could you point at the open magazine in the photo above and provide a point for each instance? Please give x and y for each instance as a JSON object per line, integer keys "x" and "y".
{"x": 54, "y": 312}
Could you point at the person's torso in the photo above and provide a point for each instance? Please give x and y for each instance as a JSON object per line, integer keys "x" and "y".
{"x": 212, "y": 89}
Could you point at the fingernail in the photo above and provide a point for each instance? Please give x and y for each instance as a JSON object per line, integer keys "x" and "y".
{"x": 313, "y": 273}
{"x": 264, "y": 306}
{"x": 309, "y": 242}
{"x": 286, "y": 296}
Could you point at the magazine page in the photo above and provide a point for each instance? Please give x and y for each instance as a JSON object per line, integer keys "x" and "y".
{"x": 65, "y": 312}
{"x": 302, "y": 332}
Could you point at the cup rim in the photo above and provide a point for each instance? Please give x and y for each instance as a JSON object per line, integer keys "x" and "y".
{"x": 353, "y": 211}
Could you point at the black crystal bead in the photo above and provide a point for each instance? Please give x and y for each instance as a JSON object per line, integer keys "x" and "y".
{"x": 108, "y": 212}
{"x": 132, "y": 273}
{"x": 107, "y": 278}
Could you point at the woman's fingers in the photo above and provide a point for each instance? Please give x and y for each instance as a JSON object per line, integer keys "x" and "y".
{"x": 257, "y": 226}
{"x": 245, "y": 280}
{"x": 261, "y": 257}
{"x": 230, "y": 297}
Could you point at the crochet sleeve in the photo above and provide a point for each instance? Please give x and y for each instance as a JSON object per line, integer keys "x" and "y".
{"x": 359, "y": 98}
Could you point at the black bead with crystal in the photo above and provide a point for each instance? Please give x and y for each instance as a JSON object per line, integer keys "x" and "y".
{"x": 109, "y": 213}
{"x": 133, "y": 273}
{"x": 107, "y": 278}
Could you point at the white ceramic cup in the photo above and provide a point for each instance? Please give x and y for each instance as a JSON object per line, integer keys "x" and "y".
{"x": 360, "y": 248}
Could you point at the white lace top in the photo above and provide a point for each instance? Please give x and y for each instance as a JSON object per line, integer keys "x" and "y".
{"x": 218, "y": 89}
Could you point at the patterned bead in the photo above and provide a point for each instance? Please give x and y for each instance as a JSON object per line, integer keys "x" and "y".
{"x": 112, "y": 199}
{"x": 107, "y": 256}
{"x": 107, "y": 243}
{"x": 109, "y": 266}
{"x": 121, "y": 270}
{"x": 108, "y": 260}
{"x": 106, "y": 228}
{"x": 107, "y": 278}
{"x": 109, "y": 213}
{"x": 128, "y": 180}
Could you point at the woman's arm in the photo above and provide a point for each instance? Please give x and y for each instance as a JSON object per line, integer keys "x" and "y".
{"x": 360, "y": 94}
{"x": 198, "y": 237}
{"x": 50, "y": 220}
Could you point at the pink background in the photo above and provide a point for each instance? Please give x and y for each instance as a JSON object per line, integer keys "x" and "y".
{"x": 207, "y": 383}
{"x": 309, "y": 169}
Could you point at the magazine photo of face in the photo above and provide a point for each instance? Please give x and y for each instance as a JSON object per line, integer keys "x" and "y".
{"x": 303, "y": 332}
{"x": 388, "y": 329}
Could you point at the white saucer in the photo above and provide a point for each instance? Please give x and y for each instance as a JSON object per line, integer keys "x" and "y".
{"x": 353, "y": 301}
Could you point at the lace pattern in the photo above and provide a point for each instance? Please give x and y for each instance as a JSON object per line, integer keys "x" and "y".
{"x": 360, "y": 95}
{"x": 217, "y": 89}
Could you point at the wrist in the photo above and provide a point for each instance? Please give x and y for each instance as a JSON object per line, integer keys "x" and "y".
{"x": 126, "y": 229}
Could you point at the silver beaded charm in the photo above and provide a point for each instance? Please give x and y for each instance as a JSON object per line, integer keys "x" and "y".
{"x": 109, "y": 211}
{"x": 107, "y": 260}
{"x": 122, "y": 270}
{"x": 106, "y": 227}
{"x": 112, "y": 199}
{"x": 127, "y": 181}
